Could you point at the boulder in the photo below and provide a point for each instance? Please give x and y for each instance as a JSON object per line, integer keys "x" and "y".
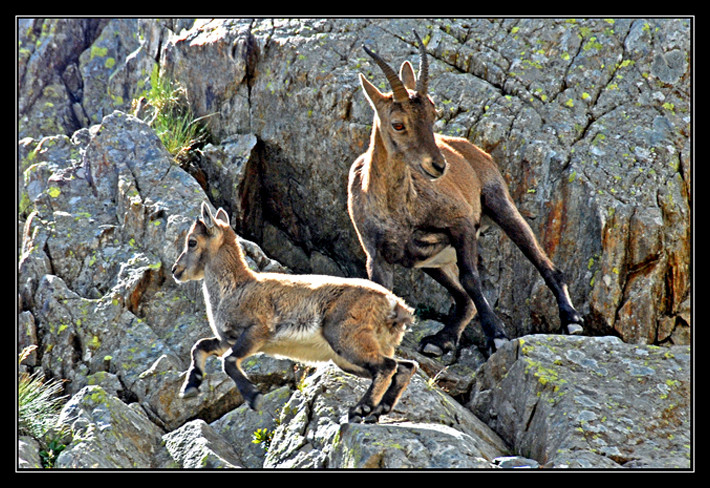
{"x": 96, "y": 420}
{"x": 586, "y": 119}
{"x": 583, "y": 402}
{"x": 427, "y": 429}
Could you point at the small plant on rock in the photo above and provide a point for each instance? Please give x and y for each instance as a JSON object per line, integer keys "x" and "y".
{"x": 167, "y": 110}
{"x": 39, "y": 402}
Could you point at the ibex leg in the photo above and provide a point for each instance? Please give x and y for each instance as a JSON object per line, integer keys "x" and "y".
{"x": 382, "y": 374}
{"x": 400, "y": 380}
{"x": 200, "y": 351}
{"x": 245, "y": 346}
{"x": 464, "y": 239}
{"x": 447, "y": 338}
{"x": 380, "y": 272}
{"x": 500, "y": 207}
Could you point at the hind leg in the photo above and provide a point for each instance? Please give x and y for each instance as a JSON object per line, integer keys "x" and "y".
{"x": 382, "y": 374}
{"x": 500, "y": 207}
{"x": 399, "y": 382}
{"x": 362, "y": 346}
{"x": 202, "y": 349}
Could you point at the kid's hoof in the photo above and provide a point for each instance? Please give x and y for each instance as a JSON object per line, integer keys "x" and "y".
{"x": 189, "y": 392}
{"x": 256, "y": 402}
{"x": 499, "y": 342}
{"x": 574, "y": 329}
{"x": 358, "y": 413}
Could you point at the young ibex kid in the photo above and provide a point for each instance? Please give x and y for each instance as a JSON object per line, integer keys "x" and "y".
{"x": 355, "y": 323}
{"x": 416, "y": 199}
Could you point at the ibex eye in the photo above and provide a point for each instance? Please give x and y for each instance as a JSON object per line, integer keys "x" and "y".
{"x": 398, "y": 126}
{"x": 191, "y": 243}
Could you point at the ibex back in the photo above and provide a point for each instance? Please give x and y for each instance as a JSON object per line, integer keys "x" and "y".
{"x": 355, "y": 323}
{"x": 416, "y": 199}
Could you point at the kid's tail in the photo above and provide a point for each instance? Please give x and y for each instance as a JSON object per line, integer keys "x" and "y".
{"x": 401, "y": 314}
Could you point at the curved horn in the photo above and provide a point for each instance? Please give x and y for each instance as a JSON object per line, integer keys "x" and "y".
{"x": 400, "y": 92}
{"x": 423, "y": 76}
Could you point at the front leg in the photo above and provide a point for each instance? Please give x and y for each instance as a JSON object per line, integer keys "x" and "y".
{"x": 379, "y": 270}
{"x": 248, "y": 343}
{"x": 447, "y": 339}
{"x": 200, "y": 351}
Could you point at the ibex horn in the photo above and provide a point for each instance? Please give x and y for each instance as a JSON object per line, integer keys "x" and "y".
{"x": 423, "y": 76}
{"x": 400, "y": 92}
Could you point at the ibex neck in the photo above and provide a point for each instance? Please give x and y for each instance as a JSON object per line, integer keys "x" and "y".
{"x": 227, "y": 270}
{"x": 387, "y": 176}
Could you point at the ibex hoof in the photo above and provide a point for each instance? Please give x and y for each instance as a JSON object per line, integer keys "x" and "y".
{"x": 574, "y": 329}
{"x": 189, "y": 392}
{"x": 432, "y": 351}
{"x": 359, "y": 413}
{"x": 256, "y": 402}
{"x": 436, "y": 346}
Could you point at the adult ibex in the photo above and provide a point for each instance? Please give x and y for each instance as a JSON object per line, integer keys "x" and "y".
{"x": 416, "y": 199}
{"x": 355, "y": 323}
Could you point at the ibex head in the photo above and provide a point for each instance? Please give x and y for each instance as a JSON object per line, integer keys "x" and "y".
{"x": 406, "y": 116}
{"x": 203, "y": 239}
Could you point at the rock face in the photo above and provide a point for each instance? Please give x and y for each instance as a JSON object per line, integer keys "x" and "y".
{"x": 589, "y": 122}
{"x": 577, "y": 402}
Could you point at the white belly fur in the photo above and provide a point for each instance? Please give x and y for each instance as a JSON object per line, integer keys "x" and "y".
{"x": 306, "y": 346}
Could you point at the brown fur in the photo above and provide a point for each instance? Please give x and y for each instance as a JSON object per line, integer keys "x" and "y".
{"x": 416, "y": 199}
{"x": 355, "y": 323}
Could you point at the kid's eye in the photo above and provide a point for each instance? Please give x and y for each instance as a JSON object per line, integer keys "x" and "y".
{"x": 191, "y": 243}
{"x": 398, "y": 126}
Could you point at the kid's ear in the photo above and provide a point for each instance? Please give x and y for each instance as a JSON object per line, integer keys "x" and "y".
{"x": 206, "y": 218}
{"x": 222, "y": 215}
{"x": 206, "y": 214}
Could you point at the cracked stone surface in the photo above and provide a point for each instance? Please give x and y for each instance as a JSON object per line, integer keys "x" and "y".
{"x": 537, "y": 393}
{"x": 588, "y": 119}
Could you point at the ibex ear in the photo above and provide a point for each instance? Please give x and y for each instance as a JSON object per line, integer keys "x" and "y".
{"x": 374, "y": 96}
{"x": 222, "y": 215}
{"x": 406, "y": 74}
{"x": 206, "y": 217}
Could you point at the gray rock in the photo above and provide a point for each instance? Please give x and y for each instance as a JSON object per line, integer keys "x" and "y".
{"x": 195, "y": 445}
{"x": 427, "y": 429}
{"x": 97, "y": 420}
{"x": 239, "y": 426}
{"x": 585, "y": 402}
{"x": 28, "y": 453}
